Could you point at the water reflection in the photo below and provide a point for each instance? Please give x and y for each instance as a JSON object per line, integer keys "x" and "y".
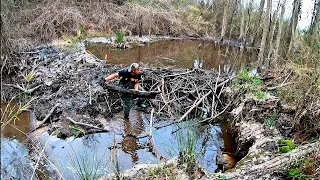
{"x": 181, "y": 53}
{"x": 96, "y": 149}
{"x": 133, "y": 127}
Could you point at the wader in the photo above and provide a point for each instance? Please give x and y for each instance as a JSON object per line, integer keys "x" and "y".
{"x": 127, "y": 100}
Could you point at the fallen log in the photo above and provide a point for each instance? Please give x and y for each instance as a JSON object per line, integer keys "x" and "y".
{"x": 145, "y": 94}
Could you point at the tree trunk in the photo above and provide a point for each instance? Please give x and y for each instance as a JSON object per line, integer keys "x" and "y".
{"x": 234, "y": 14}
{"x": 294, "y": 22}
{"x": 275, "y": 55}
{"x": 314, "y": 27}
{"x": 256, "y": 28}
{"x": 248, "y": 23}
{"x": 225, "y": 18}
{"x": 241, "y": 9}
{"x": 274, "y": 22}
{"x": 265, "y": 33}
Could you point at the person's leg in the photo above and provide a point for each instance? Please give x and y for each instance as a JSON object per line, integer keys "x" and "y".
{"x": 140, "y": 100}
{"x": 127, "y": 103}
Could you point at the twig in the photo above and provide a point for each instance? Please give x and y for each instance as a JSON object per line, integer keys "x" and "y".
{"x": 85, "y": 124}
{"x": 281, "y": 85}
{"x": 23, "y": 89}
{"x": 172, "y": 75}
{"x": 165, "y": 58}
{"x": 164, "y": 98}
{"x": 47, "y": 117}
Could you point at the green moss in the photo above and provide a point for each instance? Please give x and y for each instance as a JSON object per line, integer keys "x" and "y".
{"x": 158, "y": 172}
{"x": 294, "y": 172}
{"x": 286, "y": 145}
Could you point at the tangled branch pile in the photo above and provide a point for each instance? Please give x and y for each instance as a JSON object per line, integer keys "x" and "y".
{"x": 186, "y": 94}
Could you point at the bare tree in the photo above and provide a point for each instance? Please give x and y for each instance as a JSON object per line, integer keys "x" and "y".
{"x": 234, "y": 4}
{"x": 256, "y": 28}
{"x": 275, "y": 55}
{"x": 265, "y": 33}
{"x": 271, "y": 34}
{"x": 315, "y": 21}
{"x": 241, "y": 9}
{"x": 247, "y": 30}
{"x": 294, "y": 22}
{"x": 225, "y": 18}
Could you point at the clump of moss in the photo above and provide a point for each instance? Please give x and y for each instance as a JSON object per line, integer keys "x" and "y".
{"x": 286, "y": 145}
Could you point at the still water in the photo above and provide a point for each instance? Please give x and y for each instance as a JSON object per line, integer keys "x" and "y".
{"x": 180, "y": 53}
{"x": 128, "y": 141}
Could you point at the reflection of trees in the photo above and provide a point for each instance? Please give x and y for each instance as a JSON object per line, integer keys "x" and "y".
{"x": 183, "y": 51}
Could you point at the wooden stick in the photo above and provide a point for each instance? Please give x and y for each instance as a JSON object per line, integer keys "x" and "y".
{"x": 164, "y": 98}
{"x": 85, "y": 124}
{"x": 47, "y": 117}
{"x": 178, "y": 74}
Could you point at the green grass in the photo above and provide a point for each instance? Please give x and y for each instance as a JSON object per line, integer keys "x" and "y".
{"x": 270, "y": 121}
{"x": 260, "y": 94}
{"x": 87, "y": 166}
{"x": 77, "y": 131}
{"x": 119, "y": 37}
{"x": 187, "y": 141}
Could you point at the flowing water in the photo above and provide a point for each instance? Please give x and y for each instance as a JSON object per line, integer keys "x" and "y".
{"x": 127, "y": 138}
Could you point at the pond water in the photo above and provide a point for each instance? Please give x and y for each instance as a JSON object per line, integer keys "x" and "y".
{"x": 180, "y": 53}
{"x": 15, "y": 162}
{"x": 127, "y": 138}
{"x": 128, "y": 141}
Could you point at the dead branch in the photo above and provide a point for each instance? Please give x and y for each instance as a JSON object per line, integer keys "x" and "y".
{"x": 85, "y": 124}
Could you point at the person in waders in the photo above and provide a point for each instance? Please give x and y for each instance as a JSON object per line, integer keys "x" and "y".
{"x": 130, "y": 79}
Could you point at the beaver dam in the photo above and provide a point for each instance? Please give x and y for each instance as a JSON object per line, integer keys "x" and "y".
{"x": 77, "y": 129}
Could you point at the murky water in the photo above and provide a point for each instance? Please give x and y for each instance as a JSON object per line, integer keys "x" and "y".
{"x": 17, "y": 127}
{"x": 178, "y": 53}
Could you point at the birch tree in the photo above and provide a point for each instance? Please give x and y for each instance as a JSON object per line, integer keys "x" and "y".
{"x": 315, "y": 21}
{"x": 279, "y": 34}
{"x": 247, "y": 29}
{"x": 271, "y": 34}
{"x": 265, "y": 33}
{"x": 294, "y": 22}
{"x": 225, "y": 18}
{"x": 257, "y": 24}
{"x": 241, "y": 9}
